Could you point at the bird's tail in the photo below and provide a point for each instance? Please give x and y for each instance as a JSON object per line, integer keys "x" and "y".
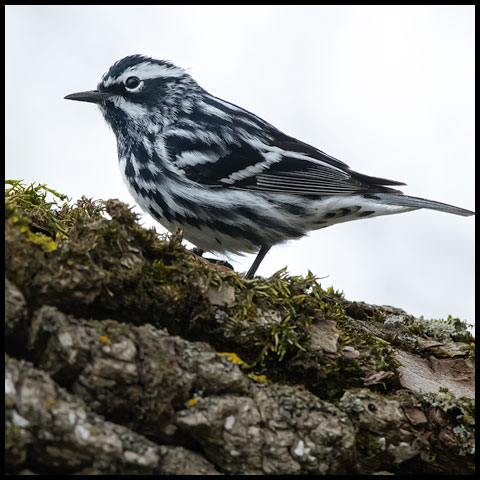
{"x": 416, "y": 202}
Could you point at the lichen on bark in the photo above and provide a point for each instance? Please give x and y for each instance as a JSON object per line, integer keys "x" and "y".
{"x": 128, "y": 354}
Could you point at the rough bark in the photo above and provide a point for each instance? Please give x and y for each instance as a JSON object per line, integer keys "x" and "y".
{"x": 127, "y": 354}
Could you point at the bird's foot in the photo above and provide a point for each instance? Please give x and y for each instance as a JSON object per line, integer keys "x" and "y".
{"x": 215, "y": 261}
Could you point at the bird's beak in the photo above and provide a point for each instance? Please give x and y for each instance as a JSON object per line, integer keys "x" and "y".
{"x": 93, "y": 96}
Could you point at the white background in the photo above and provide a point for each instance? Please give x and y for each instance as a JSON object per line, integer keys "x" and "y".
{"x": 388, "y": 90}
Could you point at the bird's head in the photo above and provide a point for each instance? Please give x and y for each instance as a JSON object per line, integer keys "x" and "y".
{"x": 139, "y": 92}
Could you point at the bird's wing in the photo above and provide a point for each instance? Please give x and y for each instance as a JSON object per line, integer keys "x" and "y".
{"x": 221, "y": 145}
{"x": 282, "y": 165}
{"x": 303, "y": 169}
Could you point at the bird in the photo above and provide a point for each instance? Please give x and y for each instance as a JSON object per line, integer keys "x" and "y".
{"x": 231, "y": 181}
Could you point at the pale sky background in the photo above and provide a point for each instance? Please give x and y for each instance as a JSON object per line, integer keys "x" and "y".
{"x": 387, "y": 89}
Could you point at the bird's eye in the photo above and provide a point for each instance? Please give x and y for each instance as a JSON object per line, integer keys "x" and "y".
{"x": 132, "y": 82}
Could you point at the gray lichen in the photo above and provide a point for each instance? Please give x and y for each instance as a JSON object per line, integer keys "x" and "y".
{"x": 128, "y": 354}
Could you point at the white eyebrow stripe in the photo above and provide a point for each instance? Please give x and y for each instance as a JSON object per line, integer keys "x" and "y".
{"x": 145, "y": 71}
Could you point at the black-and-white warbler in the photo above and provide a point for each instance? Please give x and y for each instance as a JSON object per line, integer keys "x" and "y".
{"x": 232, "y": 182}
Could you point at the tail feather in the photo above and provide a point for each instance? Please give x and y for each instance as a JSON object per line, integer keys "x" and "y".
{"x": 416, "y": 202}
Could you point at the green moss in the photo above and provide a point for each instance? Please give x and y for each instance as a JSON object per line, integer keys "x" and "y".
{"x": 375, "y": 350}
{"x": 160, "y": 272}
{"x": 335, "y": 293}
{"x": 270, "y": 325}
{"x": 38, "y": 207}
{"x": 102, "y": 263}
{"x": 276, "y": 313}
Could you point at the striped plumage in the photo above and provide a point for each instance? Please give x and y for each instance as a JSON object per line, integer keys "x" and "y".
{"x": 230, "y": 180}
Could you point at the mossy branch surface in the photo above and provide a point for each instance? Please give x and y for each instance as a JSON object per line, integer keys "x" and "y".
{"x": 133, "y": 328}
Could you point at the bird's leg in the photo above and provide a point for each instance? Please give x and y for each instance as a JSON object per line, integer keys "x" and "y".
{"x": 261, "y": 255}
